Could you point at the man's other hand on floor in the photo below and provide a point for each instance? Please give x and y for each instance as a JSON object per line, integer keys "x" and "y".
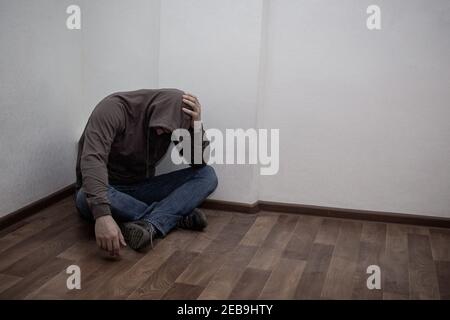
{"x": 108, "y": 235}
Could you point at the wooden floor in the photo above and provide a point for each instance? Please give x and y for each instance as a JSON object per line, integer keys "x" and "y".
{"x": 239, "y": 256}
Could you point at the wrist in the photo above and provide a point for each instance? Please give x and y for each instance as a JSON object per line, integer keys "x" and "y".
{"x": 197, "y": 125}
{"x": 102, "y": 218}
{"x": 100, "y": 210}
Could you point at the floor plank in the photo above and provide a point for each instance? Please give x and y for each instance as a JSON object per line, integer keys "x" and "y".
{"x": 202, "y": 269}
{"x": 156, "y": 286}
{"x": 313, "y": 277}
{"x": 265, "y": 259}
{"x": 394, "y": 296}
{"x": 231, "y": 235}
{"x": 56, "y": 288}
{"x": 440, "y": 244}
{"x": 276, "y": 241}
{"x": 29, "y": 245}
{"x": 343, "y": 263}
{"x": 422, "y": 270}
{"x": 206, "y": 264}
{"x": 79, "y": 249}
{"x": 47, "y": 251}
{"x": 328, "y": 232}
{"x": 225, "y": 279}
{"x": 97, "y": 285}
{"x": 7, "y": 281}
{"x": 281, "y": 233}
{"x": 216, "y": 223}
{"x": 279, "y": 286}
{"x": 396, "y": 262}
{"x": 302, "y": 238}
{"x": 124, "y": 283}
{"x": 371, "y": 252}
{"x": 250, "y": 284}
{"x": 259, "y": 230}
{"x": 35, "y": 279}
{"x": 443, "y": 275}
{"x": 182, "y": 291}
{"x": 28, "y": 229}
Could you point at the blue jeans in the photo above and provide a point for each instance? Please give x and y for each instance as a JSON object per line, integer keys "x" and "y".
{"x": 161, "y": 200}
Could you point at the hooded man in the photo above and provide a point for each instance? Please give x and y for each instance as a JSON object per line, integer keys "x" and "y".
{"x": 126, "y": 136}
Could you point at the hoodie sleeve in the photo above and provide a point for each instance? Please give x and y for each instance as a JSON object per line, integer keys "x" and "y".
{"x": 106, "y": 121}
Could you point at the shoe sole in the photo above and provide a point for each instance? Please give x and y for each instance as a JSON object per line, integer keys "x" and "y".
{"x": 135, "y": 236}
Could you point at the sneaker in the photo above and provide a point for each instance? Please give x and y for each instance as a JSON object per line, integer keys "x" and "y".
{"x": 195, "y": 221}
{"x": 138, "y": 234}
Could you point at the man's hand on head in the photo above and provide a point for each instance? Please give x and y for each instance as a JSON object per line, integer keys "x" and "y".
{"x": 108, "y": 235}
{"x": 196, "y": 112}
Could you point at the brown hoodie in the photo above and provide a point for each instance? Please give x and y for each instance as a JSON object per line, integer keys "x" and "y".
{"x": 119, "y": 144}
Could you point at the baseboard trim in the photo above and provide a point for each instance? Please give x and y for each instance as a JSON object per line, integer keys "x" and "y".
{"x": 354, "y": 214}
{"x": 231, "y": 206}
{"x": 36, "y": 206}
{"x": 331, "y": 212}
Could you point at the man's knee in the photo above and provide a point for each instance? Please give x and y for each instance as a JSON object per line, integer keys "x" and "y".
{"x": 209, "y": 174}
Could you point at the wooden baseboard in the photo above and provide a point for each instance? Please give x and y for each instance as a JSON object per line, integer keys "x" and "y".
{"x": 36, "y": 206}
{"x": 377, "y": 216}
{"x": 330, "y": 212}
{"x": 231, "y": 206}
{"x": 366, "y": 215}
{"x": 341, "y": 213}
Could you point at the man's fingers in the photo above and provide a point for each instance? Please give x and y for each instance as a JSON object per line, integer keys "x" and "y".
{"x": 189, "y": 112}
{"x": 190, "y": 96}
{"x": 104, "y": 245}
{"x": 192, "y": 104}
{"x": 109, "y": 246}
{"x": 122, "y": 239}
{"x": 192, "y": 101}
{"x": 99, "y": 242}
{"x": 116, "y": 246}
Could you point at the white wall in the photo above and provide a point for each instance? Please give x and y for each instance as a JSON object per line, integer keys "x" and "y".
{"x": 51, "y": 79}
{"x": 40, "y": 91}
{"x": 211, "y": 48}
{"x": 120, "y": 47}
{"x": 364, "y": 116}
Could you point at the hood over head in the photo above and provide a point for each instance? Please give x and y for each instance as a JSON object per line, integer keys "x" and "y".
{"x": 165, "y": 111}
{"x": 155, "y": 108}
{"x": 160, "y": 107}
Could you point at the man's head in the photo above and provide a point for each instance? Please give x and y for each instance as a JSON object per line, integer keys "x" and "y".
{"x": 165, "y": 113}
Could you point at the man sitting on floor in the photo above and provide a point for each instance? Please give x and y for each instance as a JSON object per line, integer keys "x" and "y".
{"x": 126, "y": 136}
